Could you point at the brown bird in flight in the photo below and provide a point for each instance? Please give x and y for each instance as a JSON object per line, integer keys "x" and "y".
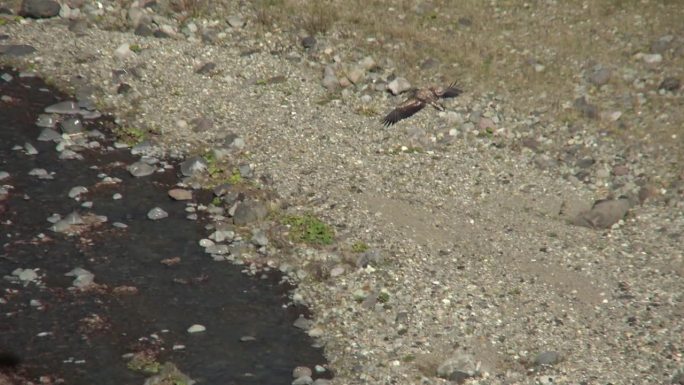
{"x": 420, "y": 98}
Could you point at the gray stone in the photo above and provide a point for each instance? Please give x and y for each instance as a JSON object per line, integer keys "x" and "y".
{"x": 16, "y": 50}
{"x": 4, "y": 175}
{"x": 330, "y": 81}
{"x": 301, "y": 371}
{"x": 30, "y": 149}
{"x": 236, "y": 21}
{"x": 399, "y": 85}
{"x": 547, "y": 358}
{"x": 458, "y": 367}
{"x": 603, "y": 214}
{"x": 41, "y": 173}
{"x": 322, "y": 381}
{"x": 140, "y": 169}
{"x": 587, "y": 109}
{"x": 71, "y": 126}
{"x": 308, "y": 42}
{"x": 76, "y": 191}
{"x": 67, "y": 107}
{"x": 599, "y": 76}
{"x": 157, "y": 213}
{"x": 192, "y": 166}
{"x": 303, "y": 323}
{"x": 259, "y": 237}
{"x": 249, "y": 212}
{"x": 304, "y": 380}
{"x": 180, "y": 194}
{"x": 83, "y": 279}
{"x": 356, "y": 75}
{"x": 368, "y": 63}
{"x": 45, "y": 120}
{"x": 25, "y": 275}
{"x": 670, "y": 83}
{"x": 38, "y": 9}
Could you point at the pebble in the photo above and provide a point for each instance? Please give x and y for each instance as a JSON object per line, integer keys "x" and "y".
{"x": 603, "y": 214}
{"x": 71, "y": 126}
{"x": 192, "y": 166}
{"x": 25, "y": 275}
{"x": 301, "y": 371}
{"x": 46, "y": 120}
{"x": 599, "y": 76}
{"x": 547, "y": 358}
{"x": 330, "y": 81}
{"x": 180, "y": 194}
{"x": 67, "y": 107}
{"x": 236, "y": 21}
{"x": 49, "y": 135}
{"x": 4, "y": 175}
{"x": 303, "y": 380}
{"x": 196, "y": 328}
{"x": 322, "y": 381}
{"x": 117, "y": 196}
{"x": 303, "y": 323}
{"x": 157, "y": 213}
{"x": 140, "y": 169}
{"x": 76, "y": 191}
{"x": 123, "y": 52}
{"x": 83, "y": 279}
{"x": 399, "y": 85}
{"x": 259, "y": 238}
{"x": 247, "y": 339}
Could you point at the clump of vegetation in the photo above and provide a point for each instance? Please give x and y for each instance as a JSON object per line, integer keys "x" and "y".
{"x": 309, "y": 229}
{"x": 235, "y": 177}
{"x": 135, "y": 48}
{"x": 144, "y": 362}
{"x": 359, "y": 247}
{"x": 130, "y": 135}
{"x": 384, "y": 296}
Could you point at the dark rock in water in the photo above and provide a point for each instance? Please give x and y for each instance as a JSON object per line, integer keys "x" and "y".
{"x": 603, "y": 214}
{"x": 71, "y": 126}
{"x": 16, "y": 50}
{"x": 309, "y": 42}
{"x": 141, "y": 168}
{"x": 39, "y": 9}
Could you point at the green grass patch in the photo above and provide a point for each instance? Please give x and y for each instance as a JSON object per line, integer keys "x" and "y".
{"x": 130, "y": 135}
{"x": 309, "y": 229}
{"x": 144, "y": 363}
{"x": 359, "y": 247}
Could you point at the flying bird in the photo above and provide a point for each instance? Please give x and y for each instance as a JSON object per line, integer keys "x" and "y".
{"x": 420, "y": 98}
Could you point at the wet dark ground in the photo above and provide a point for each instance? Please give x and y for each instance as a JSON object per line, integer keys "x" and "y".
{"x": 80, "y": 336}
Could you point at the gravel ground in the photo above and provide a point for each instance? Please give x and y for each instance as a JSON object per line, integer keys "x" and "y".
{"x": 458, "y": 256}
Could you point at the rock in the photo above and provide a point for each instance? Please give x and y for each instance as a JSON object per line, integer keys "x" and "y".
{"x": 587, "y": 109}
{"x": 83, "y": 279}
{"x": 368, "y": 63}
{"x": 308, "y": 42}
{"x": 140, "y": 169}
{"x": 180, "y": 194}
{"x": 322, "y": 381}
{"x": 206, "y": 68}
{"x": 304, "y": 380}
{"x": 603, "y": 214}
{"x": 48, "y": 134}
{"x": 678, "y": 377}
{"x": 30, "y": 149}
{"x": 236, "y": 21}
{"x": 39, "y": 9}
{"x": 247, "y": 339}
{"x": 71, "y": 126}
{"x": 196, "y": 328}
{"x": 45, "y": 120}
{"x": 192, "y": 166}
{"x": 458, "y": 368}
{"x": 670, "y": 83}
{"x": 259, "y": 237}
{"x": 157, "y": 213}
{"x": 303, "y": 323}
{"x": 599, "y": 76}
{"x": 25, "y": 275}
{"x": 356, "y": 75}
{"x": 330, "y": 81}
{"x": 585, "y": 162}
{"x": 301, "y": 371}
{"x": 170, "y": 374}
{"x": 67, "y": 107}
{"x": 399, "y": 85}
{"x": 4, "y": 175}
{"x": 547, "y": 358}
{"x": 76, "y": 191}
{"x": 662, "y": 44}
{"x": 248, "y": 212}
{"x": 652, "y": 58}
{"x": 123, "y": 52}
{"x": 16, "y": 50}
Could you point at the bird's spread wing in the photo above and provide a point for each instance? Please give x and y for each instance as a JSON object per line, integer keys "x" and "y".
{"x": 404, "y": 110}
{"x": 450, "y": 92}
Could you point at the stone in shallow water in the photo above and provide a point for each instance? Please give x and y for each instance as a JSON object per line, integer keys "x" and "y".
{"x": 304, "y": 380}
{"x": 140, "y": 169}
{"x": 25, "y": 275}
{"x": 83, "y": 279}
{"x": 65, "y": 107}
{"x": 157, "y": 213}
{"x": 76, "y": 191}
{"x": 180, "y": 194}
{"x": 196, "y": 328}
{"x": 41, "y": 173}
{"x": 30, "y": 149}
{"x": 46, "y": 120}
{"x": 4, "y": 175}
{"x": 71, "y": 126}
{"x": 48, "y": 134}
